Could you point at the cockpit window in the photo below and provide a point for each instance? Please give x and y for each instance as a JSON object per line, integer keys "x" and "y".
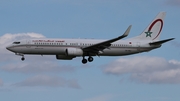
{"x": 16, "y": 42}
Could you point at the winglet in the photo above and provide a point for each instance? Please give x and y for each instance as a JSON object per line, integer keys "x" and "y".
{"x": 126, "y": 32}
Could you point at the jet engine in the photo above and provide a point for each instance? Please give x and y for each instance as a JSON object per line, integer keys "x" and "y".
{"x": 64, "y": 57}
{"x": 74, "y": 52}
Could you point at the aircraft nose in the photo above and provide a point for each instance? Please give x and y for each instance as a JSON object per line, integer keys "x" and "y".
{"x": 9, "y": 48}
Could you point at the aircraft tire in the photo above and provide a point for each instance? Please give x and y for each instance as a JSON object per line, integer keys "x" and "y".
{"x": 90, "y": 59}
{"x": 84, "y": 61}
{"x": 22, "y": 58}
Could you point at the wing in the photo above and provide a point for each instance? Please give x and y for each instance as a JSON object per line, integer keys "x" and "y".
{"x": 99, "y": 47}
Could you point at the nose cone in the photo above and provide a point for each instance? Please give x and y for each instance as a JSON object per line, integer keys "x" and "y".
{"x": 7, "y": 48}
{"x": 10, "y": 48}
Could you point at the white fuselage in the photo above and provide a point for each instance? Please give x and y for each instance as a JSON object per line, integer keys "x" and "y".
{"x": 59, "y": 46}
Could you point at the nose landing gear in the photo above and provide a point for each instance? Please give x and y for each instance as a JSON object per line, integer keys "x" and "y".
{"x": 22, "y": 58}
{"x": 20, "y": 54}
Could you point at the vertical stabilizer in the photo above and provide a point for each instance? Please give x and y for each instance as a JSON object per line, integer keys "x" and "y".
{"x": 152, "y": 32}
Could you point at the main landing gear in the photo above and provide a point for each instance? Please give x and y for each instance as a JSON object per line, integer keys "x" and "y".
{"x": 90, "y": 59}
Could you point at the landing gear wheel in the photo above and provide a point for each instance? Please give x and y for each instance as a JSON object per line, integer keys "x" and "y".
{"x": 84, "y": 61}
{"x": 90, "y": 59}
{"x": 22, "y": 58}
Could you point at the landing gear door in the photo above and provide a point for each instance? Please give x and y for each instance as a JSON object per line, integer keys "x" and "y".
{"x": 28, "y": 42}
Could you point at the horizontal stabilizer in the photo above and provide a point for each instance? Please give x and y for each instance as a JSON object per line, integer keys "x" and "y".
{"x": 161, "y": 42}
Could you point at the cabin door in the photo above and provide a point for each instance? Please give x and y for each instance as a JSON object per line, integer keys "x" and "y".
{"x": 28, "y": 44}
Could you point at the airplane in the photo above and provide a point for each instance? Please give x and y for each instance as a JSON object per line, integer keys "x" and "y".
{"x": 67, "y": 49}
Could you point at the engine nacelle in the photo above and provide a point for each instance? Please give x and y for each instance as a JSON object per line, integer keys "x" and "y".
{"x": 64, "y": 57}
{"x": 74, "y": 52}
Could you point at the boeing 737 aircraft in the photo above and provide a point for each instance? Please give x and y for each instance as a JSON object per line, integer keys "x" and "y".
{"x": 67, "y": 49}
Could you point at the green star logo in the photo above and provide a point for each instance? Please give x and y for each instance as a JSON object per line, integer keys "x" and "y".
{"x": 148, "y": 33}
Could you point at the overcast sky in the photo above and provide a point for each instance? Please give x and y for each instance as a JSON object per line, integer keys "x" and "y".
{"x": 150, "y": 76}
